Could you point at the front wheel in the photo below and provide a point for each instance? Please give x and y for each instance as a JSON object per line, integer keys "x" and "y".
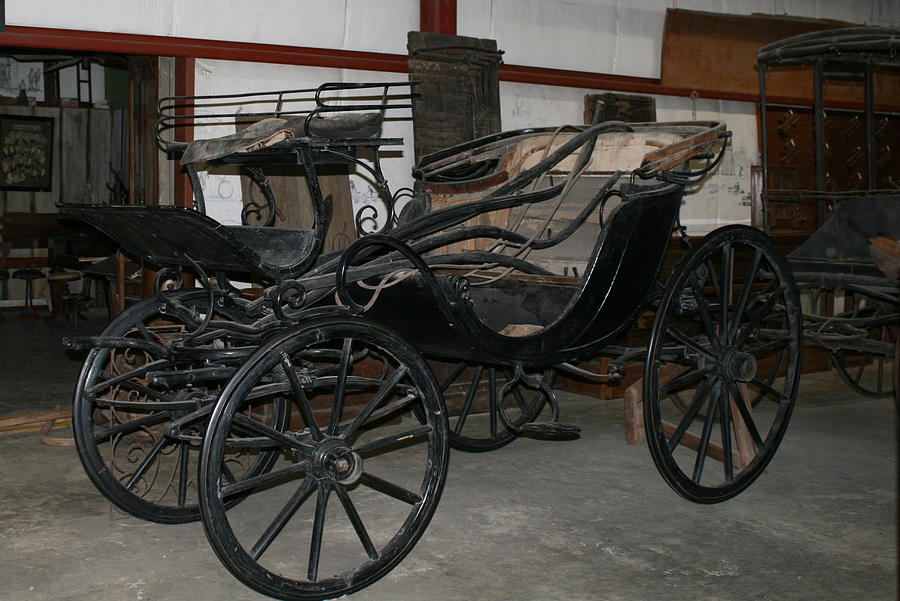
{"x": 360, "y": 468}
{"x": 727, "y": 338}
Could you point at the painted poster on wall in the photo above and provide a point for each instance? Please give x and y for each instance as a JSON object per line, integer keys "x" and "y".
{"x": 26, "y": 153}
{"x": 16, "y": 77}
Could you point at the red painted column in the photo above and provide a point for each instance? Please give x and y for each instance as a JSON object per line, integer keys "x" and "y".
{"x": 437, "y": 16}
{"x": 184, "y": 86}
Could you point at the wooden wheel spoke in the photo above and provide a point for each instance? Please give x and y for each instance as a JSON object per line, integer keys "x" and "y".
{"x": 376, "y": 400}
{"x": 300, "y": 398}
{"x": 774, "y": 345}
{"x": 725, "y": 289}
{"x": 880, "y": 381}
{"x": 696, "y": 403}
{"x": 757, "y": 317}
{"x": 131, "y": 426}
{"x": 457, "y": 370}
{"x": 256, "y": 427}
{"x": 315, "y": 545}
{"x": 741, "y": 404}
{"x": 517, "y": 394}
{"x": 183, "y": 473}
{"x": 151, "y": 456}
{"x": 340, "y": 387}
{"x": 703, "y": 309}
{"x": 393, "y": 439}
{"x": 688, "y": 341}
{"x": 703, "y": 447}
{"x": 470, "y": 399}
{"x": 725, "y": 431}
{"x": 769, "y": 390}
{"x": 493, "y": 405}
{"x": 685, "y": 379}
{"x": 227, "y": 473}
{"x": 859, "y": 372}
{"x": 239, "y": 486}
{"x": 354, "y": 518}
{"x": 283, "y": 517}
{"x": 741, "y": 304}
{"x": 389, "y": 488}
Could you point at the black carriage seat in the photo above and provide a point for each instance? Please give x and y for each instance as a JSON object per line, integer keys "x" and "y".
{"x": 178, "y": 236}
{"x": 273, "y": 131}
{"x": 841, "y": 246}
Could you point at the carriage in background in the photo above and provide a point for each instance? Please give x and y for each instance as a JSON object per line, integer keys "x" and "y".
{"x": 303, "y": 423}
{"x": 843, "y": 182}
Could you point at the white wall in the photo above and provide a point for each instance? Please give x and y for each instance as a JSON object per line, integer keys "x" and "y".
{"x": 623, "y": 37}
{"x": 620, "y": 37}
{"x": 368, "y": 25}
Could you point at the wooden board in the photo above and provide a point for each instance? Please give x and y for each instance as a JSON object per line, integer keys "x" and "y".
{"x": 45, "y": 202}
{"x": 99, "y": 146}
{"x": 629, "y": 108}
{"x": 714, "y": 51}
{"x": 73, "y": 137}
{"x": 295, "y": 205}
{"x": 458, "y": 96}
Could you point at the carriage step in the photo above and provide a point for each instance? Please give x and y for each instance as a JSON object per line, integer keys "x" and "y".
{"x": 551, "y": 429}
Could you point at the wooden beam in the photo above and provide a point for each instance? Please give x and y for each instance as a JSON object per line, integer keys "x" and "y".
{"x": 123, "y": 43}
{"x": 437, "y": 16}
{"x": 154, "y": 45}
{"x": 184, "y": 86}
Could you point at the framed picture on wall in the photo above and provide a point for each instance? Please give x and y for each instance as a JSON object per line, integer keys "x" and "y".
{"x": 26, "y": 153}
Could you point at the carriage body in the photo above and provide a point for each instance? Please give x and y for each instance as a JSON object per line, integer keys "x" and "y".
{"x": 302, "y": 392}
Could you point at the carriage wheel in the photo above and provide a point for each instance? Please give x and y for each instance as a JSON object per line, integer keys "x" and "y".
{"x": 122, "y": 424}
{"x": 870, "y": 373}
{"x": 476, "y": 394}
{"x": 728, "y": 331}
{"x": 359, "y": 475}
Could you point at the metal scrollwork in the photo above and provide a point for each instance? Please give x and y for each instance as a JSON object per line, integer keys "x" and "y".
{"x": 290, "y": 294}
{"x": 362, "y": 218}
{"x": 168, "y": 279}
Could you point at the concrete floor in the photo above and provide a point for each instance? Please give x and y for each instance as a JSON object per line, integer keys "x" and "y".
{"x": 577, "y": 521}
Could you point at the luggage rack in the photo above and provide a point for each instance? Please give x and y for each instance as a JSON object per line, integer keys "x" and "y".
{"x": 306, "y": 127}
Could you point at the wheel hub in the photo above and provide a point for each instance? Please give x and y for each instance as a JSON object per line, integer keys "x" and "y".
{"x": 334, "y": 461}
{"x": 739, "y": 366}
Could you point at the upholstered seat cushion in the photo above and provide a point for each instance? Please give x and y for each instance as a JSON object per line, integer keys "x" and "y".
{"x": 269, "y": 132}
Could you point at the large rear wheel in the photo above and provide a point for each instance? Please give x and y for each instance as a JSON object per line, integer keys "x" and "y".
{"x": 727, "y": 338}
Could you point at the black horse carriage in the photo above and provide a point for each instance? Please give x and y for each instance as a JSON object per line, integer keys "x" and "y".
{"x": 321, "y": 385}
{"x": 845, "y": 182}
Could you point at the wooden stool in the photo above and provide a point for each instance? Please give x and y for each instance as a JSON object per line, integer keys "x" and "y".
{"x": 29, "y": 275}
{"x": 62, "y": 300}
